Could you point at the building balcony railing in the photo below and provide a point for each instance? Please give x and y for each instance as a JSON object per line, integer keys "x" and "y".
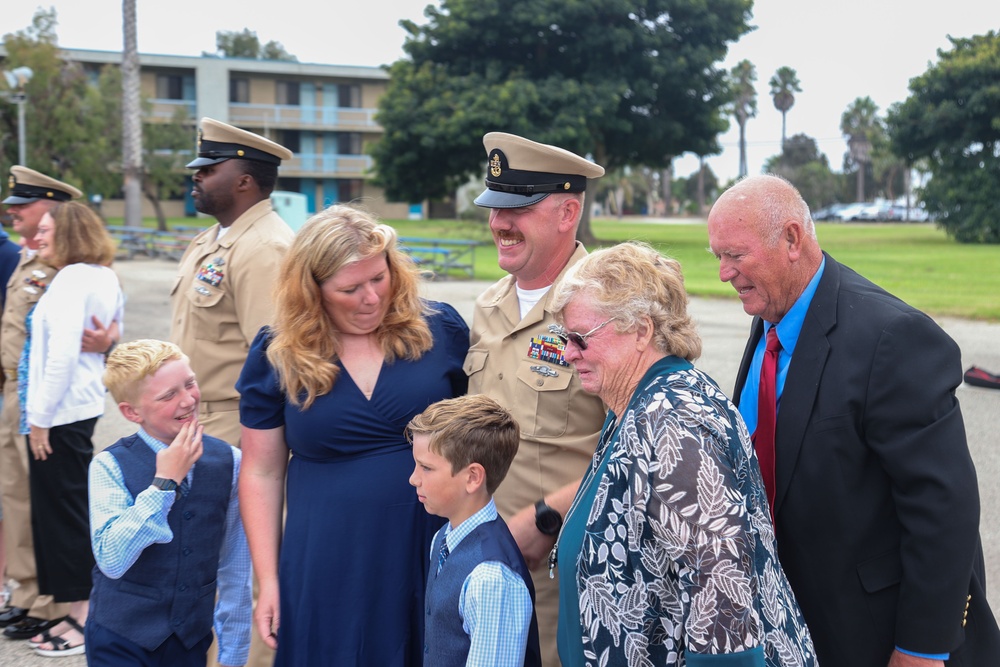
{"x": 321, "y": 165}
{"x": 163, "y": 109}
{"x": 308, "y": 117}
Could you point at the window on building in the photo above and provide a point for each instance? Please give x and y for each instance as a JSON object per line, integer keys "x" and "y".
{"x": 239, "y": 91}
{"x": 288, "y": 93}
{"x": 169, "y": 86}
{"x": 348, "y": 189}
{"x": 290, "y": 139}
{"x": 349, "y": 143}
{"x": 349, "y": 96}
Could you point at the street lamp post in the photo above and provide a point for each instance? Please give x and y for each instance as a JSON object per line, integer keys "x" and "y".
{"x": 17, "y": 78}
{"x": 19, "y": 99}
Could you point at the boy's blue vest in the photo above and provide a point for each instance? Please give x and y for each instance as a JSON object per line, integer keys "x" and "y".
{"x": 445, "y": 641}
{"x": 170, "y": 589}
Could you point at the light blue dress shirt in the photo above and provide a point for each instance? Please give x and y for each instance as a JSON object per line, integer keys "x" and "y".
{"x": 121, "y": 527}
{"x": 789, "y": 329}
{"x": 495, "y": 604}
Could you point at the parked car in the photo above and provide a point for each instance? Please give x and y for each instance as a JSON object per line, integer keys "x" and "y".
{"x": 851, "y": 212}
{"x": 875, "y": 212}
{"x": 916, "y": 213}
{"x": 827, "y": 212}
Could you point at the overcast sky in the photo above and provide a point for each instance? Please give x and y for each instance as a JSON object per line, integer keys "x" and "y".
{"x": 841, "y": 50}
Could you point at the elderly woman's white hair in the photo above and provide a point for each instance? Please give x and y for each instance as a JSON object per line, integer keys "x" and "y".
{"x": 630, "y": 282}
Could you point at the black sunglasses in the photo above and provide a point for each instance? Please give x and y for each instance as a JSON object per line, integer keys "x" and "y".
{"x": 578, "y": 339}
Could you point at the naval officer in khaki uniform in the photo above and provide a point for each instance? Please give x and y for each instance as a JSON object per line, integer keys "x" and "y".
{"x": 222, "y": 293}
{"x": 536, "y": 196}
{"x": 32, "y": 195}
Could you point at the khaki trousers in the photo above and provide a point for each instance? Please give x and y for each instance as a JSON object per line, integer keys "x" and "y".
{"x": 16, "y": 500}
{"x": 225, "y": 425}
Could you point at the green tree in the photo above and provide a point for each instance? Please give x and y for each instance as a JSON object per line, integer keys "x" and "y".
{"x": 784, "y": 84}
{"x": 700, "y": 184}
{"x": 744, "y": 104}
{"x": 101, "y": 163}
{"x": 246, "y": 44}
{"x": 861, "y": 125}
{"x": 801, "y": 162}
{"x": 168, "y": 149}
{"x": 631, "y": 84}
{"x": 951, "y": 122}
{"x": 58, "y": 120}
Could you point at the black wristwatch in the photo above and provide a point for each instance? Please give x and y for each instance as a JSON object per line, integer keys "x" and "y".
{"x": 164, "y": 484}
{"x": 547, "y": 520}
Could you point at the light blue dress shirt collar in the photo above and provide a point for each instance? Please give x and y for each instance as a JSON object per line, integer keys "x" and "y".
{"x": 788, "y": 330}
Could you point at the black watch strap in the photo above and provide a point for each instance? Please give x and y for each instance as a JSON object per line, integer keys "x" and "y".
{"x": 164, "y": 484}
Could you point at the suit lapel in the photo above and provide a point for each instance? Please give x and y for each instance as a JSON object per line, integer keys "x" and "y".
{"x": 804, "y": 374}
{"x": 756, "y": 331}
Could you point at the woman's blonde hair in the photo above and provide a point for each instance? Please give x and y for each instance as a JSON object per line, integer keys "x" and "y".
{"x": 632, "y": 281}
{"x": 79, "y": 236}
{"x": 305, "y": 345}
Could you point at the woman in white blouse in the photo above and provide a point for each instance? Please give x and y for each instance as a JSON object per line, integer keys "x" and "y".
{"x": 65, "y": 397}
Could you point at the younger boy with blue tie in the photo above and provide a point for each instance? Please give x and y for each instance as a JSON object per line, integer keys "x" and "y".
{"x": 165, "y": 524}
{"x": 480, "y": 599}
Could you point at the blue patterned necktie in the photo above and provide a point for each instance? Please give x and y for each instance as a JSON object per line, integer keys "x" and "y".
{"x": 443, "y": 555}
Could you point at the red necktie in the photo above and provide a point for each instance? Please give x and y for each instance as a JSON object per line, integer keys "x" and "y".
{"x": 763, "y": 437}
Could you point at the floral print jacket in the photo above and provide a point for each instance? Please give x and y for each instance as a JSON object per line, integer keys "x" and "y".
{"x": 679, "y": 561}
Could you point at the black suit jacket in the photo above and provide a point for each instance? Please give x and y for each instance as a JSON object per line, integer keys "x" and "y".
{"x": 877, "y": 503}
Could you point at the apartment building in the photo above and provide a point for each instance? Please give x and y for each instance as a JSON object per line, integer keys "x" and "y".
{"x": 324, "y": 114}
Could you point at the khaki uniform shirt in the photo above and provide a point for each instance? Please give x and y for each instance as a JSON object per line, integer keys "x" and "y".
{"x": 519, "y": 364}
{"x": 24, "y": 289}
{"x": 223, "y": 295}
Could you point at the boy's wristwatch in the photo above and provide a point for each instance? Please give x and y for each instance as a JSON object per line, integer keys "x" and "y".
{"x": 164, "y": 484}
{"x": 547, "y": 520}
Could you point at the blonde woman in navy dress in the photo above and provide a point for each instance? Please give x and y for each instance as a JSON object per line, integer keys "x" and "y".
{"x": 353, "y": 355}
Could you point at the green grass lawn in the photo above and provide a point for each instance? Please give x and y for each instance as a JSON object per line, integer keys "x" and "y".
{"x": 916, "y": 262}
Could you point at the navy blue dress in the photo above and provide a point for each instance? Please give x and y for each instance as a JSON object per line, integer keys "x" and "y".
{"x": 354, "y": 557}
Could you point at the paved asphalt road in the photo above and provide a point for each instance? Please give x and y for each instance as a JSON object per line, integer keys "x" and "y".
{"x": 723, "y": 327}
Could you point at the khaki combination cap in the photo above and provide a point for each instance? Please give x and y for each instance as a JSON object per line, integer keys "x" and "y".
{"x": 27, "y": 185}
{"x": 521, "y": 172}
{"x": 218, "y": 142}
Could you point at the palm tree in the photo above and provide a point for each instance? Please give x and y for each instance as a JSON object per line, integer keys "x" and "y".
{"x": 131, "y": 118}
{"x": 784, "y": 84}
{"x": 741, "y": 80}
{"x": 859, "y": 123}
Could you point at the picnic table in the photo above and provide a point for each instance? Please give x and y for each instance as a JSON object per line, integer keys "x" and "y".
{"x": 441, "y": 258}
{"x": 169, "y": 244}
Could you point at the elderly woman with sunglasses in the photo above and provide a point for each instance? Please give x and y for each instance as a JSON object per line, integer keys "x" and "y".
{"x": 667, "y": 556}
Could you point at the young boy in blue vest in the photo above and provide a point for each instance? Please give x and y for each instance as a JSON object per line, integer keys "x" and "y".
{"x": 165, "y": 524}
{"x": 480, "y": 599}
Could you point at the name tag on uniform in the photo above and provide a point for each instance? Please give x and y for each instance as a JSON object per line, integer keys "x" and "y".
{"x": 211, "y": 274}
{"x": 547, "y": 348}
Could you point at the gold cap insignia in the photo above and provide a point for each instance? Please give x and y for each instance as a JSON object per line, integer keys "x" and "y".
{"x": 240, "y": 153}
{"x": 566, "y": 185}
{"x": 50, "y": 194}
{"x": 495, "y": 165}
{"x": 199, "y": 138}
{"x": 11, "y": 182}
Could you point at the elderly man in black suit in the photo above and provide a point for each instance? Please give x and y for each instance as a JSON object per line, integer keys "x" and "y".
{"x": 873, "y": 491}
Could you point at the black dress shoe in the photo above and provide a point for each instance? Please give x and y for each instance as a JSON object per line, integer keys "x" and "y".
{"x": 11, "y": 614}
{"x": 28, "y": 627}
